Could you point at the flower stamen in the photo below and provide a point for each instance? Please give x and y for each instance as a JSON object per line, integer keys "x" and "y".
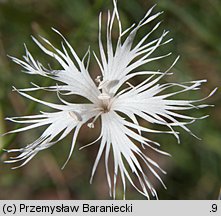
{"x": 91, "y": 124}
{"x": 98, "y": 79}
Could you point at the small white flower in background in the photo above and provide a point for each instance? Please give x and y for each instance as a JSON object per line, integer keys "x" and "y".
{"x": 108, "y": 101}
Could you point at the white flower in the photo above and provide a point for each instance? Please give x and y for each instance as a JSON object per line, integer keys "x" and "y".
{"x": 109, "y": 99}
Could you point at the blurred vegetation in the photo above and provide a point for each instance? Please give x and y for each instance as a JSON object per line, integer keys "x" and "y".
{"x": 194, "y": 171}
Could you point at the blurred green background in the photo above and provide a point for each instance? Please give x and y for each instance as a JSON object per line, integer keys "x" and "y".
{"x": 194, "y": 171}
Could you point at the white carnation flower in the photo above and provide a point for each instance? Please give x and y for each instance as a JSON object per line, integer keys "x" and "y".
{"x": 109, "y": 98}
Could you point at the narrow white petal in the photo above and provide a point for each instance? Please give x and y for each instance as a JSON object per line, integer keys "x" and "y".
{"x": 73, "y": 144}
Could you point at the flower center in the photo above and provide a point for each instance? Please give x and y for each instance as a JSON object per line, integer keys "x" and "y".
{"x": 105, "y": 98}
{"x": 105, "y": 102}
